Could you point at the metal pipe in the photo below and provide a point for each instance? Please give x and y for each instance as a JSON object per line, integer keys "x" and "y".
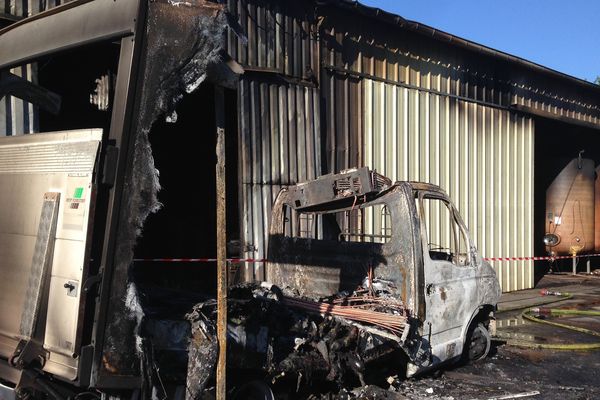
{"x": 403, "y": 84}
{"x": 589, "y": 265}
{"x": 221, "y": 384}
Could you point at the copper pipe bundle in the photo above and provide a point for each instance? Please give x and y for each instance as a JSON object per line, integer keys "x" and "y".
{"x": 391, "y": 322}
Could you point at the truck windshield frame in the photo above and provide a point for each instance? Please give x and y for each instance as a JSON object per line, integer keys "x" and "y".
{"x": 460, "y": 247}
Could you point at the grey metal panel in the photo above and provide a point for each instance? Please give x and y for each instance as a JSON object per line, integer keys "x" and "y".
{"x": 280, "y": 145}
{"x": 69, "y": 26}
{"x": 483, "y": 157}
{"x": 60, "y": 162}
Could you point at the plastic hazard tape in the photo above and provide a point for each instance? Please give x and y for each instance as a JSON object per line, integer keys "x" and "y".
{"x": 549, "y": 258}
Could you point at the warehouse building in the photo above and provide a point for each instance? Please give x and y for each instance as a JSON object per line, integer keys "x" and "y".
{"x": 330, "y": 85}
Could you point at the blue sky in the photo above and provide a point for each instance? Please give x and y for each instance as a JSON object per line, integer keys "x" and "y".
{"x": 560, "y": 34}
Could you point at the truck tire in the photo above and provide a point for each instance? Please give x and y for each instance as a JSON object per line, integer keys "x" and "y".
{"x": 478, "y": 343}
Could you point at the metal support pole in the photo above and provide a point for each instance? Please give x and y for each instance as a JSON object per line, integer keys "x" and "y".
{"x": 589, "y": 265}
{"x": 574, "y": 265}
{"x": 221, "y": 384}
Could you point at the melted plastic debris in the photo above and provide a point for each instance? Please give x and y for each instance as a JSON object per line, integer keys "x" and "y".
{"x": 203, "y": 350}
{"x": 297, "y": 352}
{"x": 136, "y": 313}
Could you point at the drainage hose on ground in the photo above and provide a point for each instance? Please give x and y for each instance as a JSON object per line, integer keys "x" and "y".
{"x": 530, "y": 316}
{"x": 561, "y": 297}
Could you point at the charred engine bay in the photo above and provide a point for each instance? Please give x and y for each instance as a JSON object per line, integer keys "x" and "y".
{"x": 275, "y": 337}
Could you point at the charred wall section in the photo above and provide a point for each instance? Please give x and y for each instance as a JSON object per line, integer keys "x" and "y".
{"x": 181, "y": 45}
{"x": 279, "y": 135}
{"x": 279, "y": 111}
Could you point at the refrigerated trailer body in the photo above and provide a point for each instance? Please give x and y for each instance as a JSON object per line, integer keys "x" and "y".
{"x": 76, "y": 194}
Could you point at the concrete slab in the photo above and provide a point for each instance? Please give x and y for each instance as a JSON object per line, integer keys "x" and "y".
{"x": 581, "y": 287}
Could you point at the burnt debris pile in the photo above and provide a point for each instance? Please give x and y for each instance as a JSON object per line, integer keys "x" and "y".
{"x": 301, "y": 346}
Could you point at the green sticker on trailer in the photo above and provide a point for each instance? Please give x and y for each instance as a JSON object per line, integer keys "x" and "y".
{"x": 78, "y": 193}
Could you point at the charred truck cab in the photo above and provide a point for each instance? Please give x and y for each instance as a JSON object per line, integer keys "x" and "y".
{"x": 332, "y": 234}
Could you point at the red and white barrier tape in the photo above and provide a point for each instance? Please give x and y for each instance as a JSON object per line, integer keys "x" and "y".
{"x": 538, "y": 258}
{"x": 262, "y": 260}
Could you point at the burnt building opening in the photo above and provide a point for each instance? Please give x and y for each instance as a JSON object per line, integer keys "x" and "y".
{"x": 556, "y": 144}
{"x": 183, "y": 146}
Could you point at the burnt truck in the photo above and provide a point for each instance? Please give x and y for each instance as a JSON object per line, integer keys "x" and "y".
{"x": 361, "y": 270}
{"x": 406, "y": 239}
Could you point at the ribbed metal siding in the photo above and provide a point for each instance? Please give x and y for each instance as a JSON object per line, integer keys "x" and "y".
{"x": 27, "y": 8}
{"x": 342, "y": 99}
{"x": 482, "y": 156}
{"x": 279, "y": 145}
{"x": 281, "y": 36}
{"x": 16, "y": 116}
{"x": 386, "y": 51}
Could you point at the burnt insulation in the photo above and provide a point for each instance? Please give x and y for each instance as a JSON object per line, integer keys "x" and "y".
{"x": 202, "y": 351}
{"x": 182, "y": 42}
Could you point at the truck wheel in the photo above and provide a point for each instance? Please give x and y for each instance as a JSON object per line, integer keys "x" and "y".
{"x": 478, "y": 343}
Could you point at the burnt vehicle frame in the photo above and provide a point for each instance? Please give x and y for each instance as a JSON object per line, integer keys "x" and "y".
{"x": 451, "y": 297}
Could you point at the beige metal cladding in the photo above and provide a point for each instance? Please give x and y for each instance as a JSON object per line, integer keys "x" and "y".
{"x": 482, "y": 156}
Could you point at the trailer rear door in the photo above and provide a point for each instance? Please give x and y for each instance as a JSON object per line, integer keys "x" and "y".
{"x": 46, "y": 193}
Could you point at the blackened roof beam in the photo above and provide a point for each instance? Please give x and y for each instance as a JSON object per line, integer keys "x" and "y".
{"x": 11, "y": 84}
{"x": 7, "y": 19}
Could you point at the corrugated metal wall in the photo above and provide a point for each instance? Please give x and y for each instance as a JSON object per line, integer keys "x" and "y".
{"x": 279, "y": 111}
{"x": 342, "y": 97}
{"x": 406, "y": 104}
{"x": 438, "y": 113}
{"x": 17, "y": 116}
{"x": 483, "y": 158}
{"x": 279, "y": 126}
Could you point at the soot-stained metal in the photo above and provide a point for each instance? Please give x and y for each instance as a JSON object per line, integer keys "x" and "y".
{"x": 182, "y": 41}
